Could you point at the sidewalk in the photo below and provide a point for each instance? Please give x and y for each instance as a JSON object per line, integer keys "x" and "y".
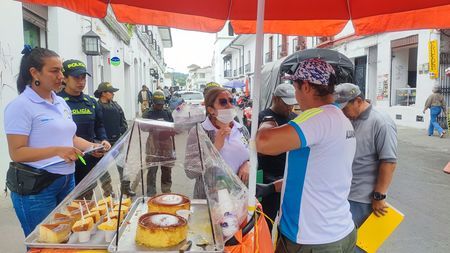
{"x": 420, "y": 138}
{"x": 12, "y": 237}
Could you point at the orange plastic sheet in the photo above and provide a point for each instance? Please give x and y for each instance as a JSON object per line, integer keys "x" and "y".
{"x": 294, "y": 17}
{"x": 258, "y": 240}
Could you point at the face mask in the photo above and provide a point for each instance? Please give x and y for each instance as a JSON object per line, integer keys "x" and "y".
{"x": 226, "y": 115}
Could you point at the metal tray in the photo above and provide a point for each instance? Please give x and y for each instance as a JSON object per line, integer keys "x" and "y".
{"x": 200, "y": 228}
{"x": 97, "y": 240}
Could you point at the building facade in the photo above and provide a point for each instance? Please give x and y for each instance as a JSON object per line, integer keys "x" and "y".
{"x": 395, "y": 70}
{"x": 198, "y": 77}
{"x": 137, "y": 51}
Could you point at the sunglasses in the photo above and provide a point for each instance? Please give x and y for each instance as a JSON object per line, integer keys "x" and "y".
{"x": 224, "y": 101}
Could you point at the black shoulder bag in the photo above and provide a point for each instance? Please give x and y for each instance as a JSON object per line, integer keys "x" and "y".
{"x": 26, "y": 180}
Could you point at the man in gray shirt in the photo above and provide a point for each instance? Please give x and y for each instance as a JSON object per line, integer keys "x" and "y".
{"x": 376, "y": 153}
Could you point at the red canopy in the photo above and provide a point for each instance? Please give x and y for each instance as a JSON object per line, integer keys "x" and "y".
{"x": 295, "y": 17}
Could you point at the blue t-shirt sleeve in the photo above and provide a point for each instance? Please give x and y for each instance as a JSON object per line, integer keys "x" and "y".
{"x": 17, "y": 119}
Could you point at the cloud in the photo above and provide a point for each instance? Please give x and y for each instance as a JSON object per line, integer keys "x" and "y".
{"x": 189, "y": 48}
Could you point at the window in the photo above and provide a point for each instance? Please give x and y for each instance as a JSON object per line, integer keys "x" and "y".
{"x": 35, "y": 25}
{"x": 31, "y": 34}
{"x": 202, "y": 75}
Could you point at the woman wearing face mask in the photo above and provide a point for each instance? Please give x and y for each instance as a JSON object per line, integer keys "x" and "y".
{"x": 229, "y": 137}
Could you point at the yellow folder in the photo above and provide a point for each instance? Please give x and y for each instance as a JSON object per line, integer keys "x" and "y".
{"x": 375, "y": 230}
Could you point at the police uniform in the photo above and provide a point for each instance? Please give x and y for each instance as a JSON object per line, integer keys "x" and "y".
{"x": 86, "y": 115}
{"x": 115, "y": 125}
{"x": 159, "y": 147}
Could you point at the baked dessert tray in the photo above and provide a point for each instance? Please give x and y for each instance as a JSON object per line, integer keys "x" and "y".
{"x": 202, "y": 236}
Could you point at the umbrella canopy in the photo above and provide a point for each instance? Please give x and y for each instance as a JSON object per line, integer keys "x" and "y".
{"x": 302, "y": 17}
{"x": 234, "y": 84}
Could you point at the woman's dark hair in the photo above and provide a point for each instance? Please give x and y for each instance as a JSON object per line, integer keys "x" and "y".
{"x": 32, "y": 58}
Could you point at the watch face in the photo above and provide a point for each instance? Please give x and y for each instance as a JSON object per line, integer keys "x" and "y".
{"x": 378, "y": 196}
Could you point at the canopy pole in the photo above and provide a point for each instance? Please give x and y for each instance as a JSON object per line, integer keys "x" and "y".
{"x": 259, "y": 51}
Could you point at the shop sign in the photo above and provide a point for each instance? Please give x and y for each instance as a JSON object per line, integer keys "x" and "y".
{"x": 115, "y": 61}
{"x": 433, "y": 60}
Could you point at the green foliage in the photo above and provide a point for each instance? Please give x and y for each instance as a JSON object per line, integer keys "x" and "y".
{"x": 179, "y": 78}
{"x": 130, "y": 28}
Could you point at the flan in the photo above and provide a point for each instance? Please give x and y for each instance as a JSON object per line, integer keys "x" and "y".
{"x": 85, "y": 225}
{"x": 168, "y": 203}
{"x": 54, "y": 233}
{"x": 161, "y": 230}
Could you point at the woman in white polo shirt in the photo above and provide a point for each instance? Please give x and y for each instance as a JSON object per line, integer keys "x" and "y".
{"x": 228, "y": 136}
{"x": 41, "y": 139}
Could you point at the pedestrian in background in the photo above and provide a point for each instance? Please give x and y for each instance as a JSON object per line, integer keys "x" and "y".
{"x": 42, "y": 139}
{"x": 144, "y": 98}
{"x": 115, "y": 124}
{"x": 86, "y": 114}
{"x": 283, "y": 101}
{"x": 159, "y": 147}
{"x": 315, "y": 213}
{"x": 436, "y": 103}
{"x": 376, "y": 153}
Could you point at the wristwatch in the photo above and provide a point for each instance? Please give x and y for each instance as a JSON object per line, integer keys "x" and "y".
{"x": 378, "y": 196}
{"x": 268, "y": 118}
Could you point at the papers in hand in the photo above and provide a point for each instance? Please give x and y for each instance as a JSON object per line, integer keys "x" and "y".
{"x": 93, "y": 149}
{"x": 375, "y": 230}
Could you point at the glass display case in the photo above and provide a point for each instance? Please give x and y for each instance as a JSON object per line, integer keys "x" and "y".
{"x": 87, "y": 218}
{"x": 405, "y": 96}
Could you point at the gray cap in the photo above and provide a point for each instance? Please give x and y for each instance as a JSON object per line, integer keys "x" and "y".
{"x": 286, "y": 92}
{"x": 345, "y": 92}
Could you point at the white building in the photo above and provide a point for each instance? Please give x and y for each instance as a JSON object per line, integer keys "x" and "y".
{"x": 198, "y": 77}
{"x": 140, "y": 50}
{"x": 392, "y": 69}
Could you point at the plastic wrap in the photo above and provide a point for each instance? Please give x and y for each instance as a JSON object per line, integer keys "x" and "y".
{"x": 150, "y": 144}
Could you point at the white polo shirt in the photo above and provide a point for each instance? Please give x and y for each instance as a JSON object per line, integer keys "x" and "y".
{"x": 235, "y": 149}
{"x": 317, "y": 178}
{"x": 46, "y": 124}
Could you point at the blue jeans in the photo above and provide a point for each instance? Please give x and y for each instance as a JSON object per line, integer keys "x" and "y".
{"x": 360, "y": 212}
{"x": 434, "y": 113}
{"x": 33, "y": 209}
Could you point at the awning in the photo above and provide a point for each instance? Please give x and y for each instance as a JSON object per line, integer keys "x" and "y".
{"x": 295, "y": 17}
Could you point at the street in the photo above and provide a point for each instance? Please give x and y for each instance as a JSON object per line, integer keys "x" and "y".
{"x": 419, "y": 190}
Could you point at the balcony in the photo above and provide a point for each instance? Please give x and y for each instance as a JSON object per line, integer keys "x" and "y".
{"x": 227, "y": 73}
{"x": 268, "y": 57}
{"x": 241, "y": 70}
{"x": 235, "y": 72}
{"x": 248, "y": 68}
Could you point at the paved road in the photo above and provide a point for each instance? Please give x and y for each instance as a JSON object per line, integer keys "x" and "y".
{"x": 420, "y": 190}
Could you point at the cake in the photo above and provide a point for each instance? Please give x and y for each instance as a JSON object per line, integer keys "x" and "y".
{"x": 80, "y": 226}
{"x": 123, "y": 208}
{"x": 114, "y": 215}
{"x": 168, "y": 203}
{"x": 108, "y": 225}
{"x": 60, "y": 218}
{"x": 94, "y": 215}
{"x": 101, "y": 209}
{"x": 76, "y": 203}
{"x": 161, "y": 230}
{"x": 104, "y": 201}
{"x": 54, "y": 233}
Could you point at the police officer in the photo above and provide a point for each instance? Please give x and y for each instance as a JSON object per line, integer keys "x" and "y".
{"x": 115, "y": 123}
{"x": 160, "y": 147}
{"x": 85, "y": 113}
